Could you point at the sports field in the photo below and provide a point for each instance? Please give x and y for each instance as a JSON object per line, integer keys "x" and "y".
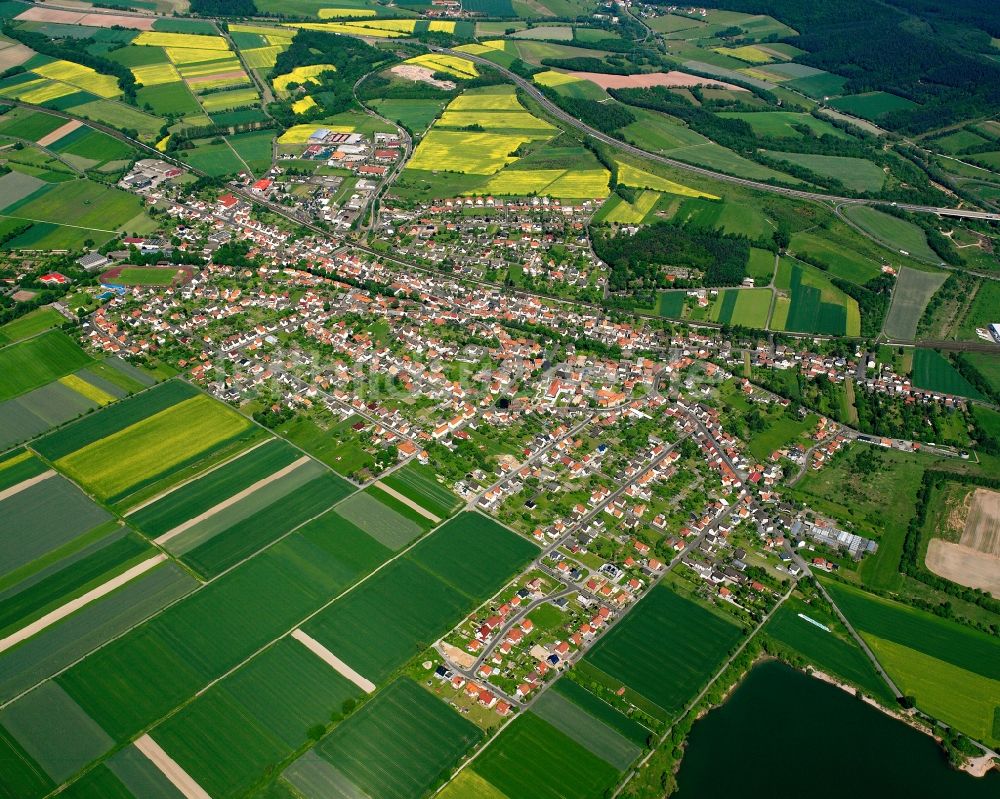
{"x": 665, "y": 634}
{"x": 152, "y": 448}
{"x": 398, "y": 744}
{"x": 533, "y": 758}
{"x": 37, "y": 361}
{"x": 932, "y": 371}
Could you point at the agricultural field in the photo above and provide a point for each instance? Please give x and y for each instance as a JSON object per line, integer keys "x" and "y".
{"x": 898, "y": 234}
{"x": 416, "y": 598}
{"x": 618, "y": 211}
{"x": 782, "y": 124}
{"x": 399, "y": 745}
{"x": 982, "y": 311}
{"x": 924, "y": 651}
{"x": 149, "y": 450}
{"x": 871, "y": 105}
{"x": 932, "y": 371}
{"x": 664, "y": 633}
{"x": 255, "y": 718}
{"x": 746, "y": 307}
{"x": 832, "y": 650}
{"x": 641, "y": 179}
{"x": 856, "y": 174}
{"x": 841, "y": 261}
{"x": 913, "y": 291}
{"x": 533, "y": 758}
{"x": 414, "y": 115}
{"x": 591, "y": 733}
{"x": 37, "y": 361}
{"x": 419, "y": 483}
{"x": 368, "y": 511}
{"x": 814, "y": 304}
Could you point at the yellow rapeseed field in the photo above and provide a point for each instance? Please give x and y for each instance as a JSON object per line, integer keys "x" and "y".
{"x": 80, "y": 76}
{"x": 155, "y": 74}
{"x": 452, "y": 65}
{"x": 301, "y": 75}
{"x": 466, "y": 151}
{"x": 185, "y": 40}
{"x": 640, "y": 179}
{"x": 303, "y": 105}
{"x": 344, "y": 13}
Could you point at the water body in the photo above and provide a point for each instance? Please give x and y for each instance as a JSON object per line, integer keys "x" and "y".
{"x": 784, "y": 734}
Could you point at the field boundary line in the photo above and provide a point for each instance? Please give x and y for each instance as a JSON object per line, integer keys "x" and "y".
{"x": 171, "y": 769}
{"x": 333, "y": 661}
{"x": 7, "y": 493}
{"x": 61, "y": 224}
{"x": 226, "y": 503}
{"x": 75, "y": 604}
{"x": 191, "y": 479}
{"x": 406, "y": 501}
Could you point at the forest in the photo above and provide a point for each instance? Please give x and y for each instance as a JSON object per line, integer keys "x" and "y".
{"x": 636, "y": 260}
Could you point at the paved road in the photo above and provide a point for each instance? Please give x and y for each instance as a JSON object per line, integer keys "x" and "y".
{"x": 557, "y": 112}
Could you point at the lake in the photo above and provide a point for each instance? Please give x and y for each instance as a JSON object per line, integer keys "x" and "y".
{"x": 785, "y": 734}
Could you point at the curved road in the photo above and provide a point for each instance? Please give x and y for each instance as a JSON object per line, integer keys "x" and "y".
{"x": 558, "y": 113}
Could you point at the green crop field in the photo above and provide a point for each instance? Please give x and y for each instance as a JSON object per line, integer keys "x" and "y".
{"x": 665, "y": 634}
{"x": 761, "y": 266}
{"x": 591, "y": 733}
{"x": 37, "y": 361}
{"x": 198, "y": 496}
{"x": 388, "y": 619}
{"x": 939, "y": 638}
{"x": 856, "y": 174}
{"x": 254, "y": 149}
{"x": 822, "y": 84}
{"x": 474, "y": 554}
{"x": 30, "y": 324}
{"x": 469, "y": 785}
{"x": 817, "y": 306}
{"x": 240, "y": 540}
{"x": 418, "y": 482}
{"x": 871, "y": 105}
{"x": 18, "y": 466}
{"x": 230, "y": 736}
{"x": 58, "y": 646}
{"x": 842, "y": 262}
{"x": 414, "y": 115}
{"x": 747, "y": 307}
{"x": 533, "y": 758}
{"x": 379, "y": 520}
{"x": 932, "y": 371}
{"x": 113, "y": 419}
{"x": 914, "y": 289}
{"x": 67, "y": 577}
{"x": 959, "y": 697}
{"x": 899, "y": 234}
{"x": 833, "y": 652}
{"x": 33, "y": 413}
{"x": 599, "y": 709}
{"x": 138, "y": 678}
{"x": 399, "y": 743}
{"x": 41, "y": 518}
{"x": 779, "y": 124}
{"x": 982, "y": 311}
{"x": 89, "y": 204}
{"x": 150, "y": 449}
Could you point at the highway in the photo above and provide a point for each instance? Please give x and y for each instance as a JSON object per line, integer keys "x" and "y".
{"x": 561, "y": 115}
